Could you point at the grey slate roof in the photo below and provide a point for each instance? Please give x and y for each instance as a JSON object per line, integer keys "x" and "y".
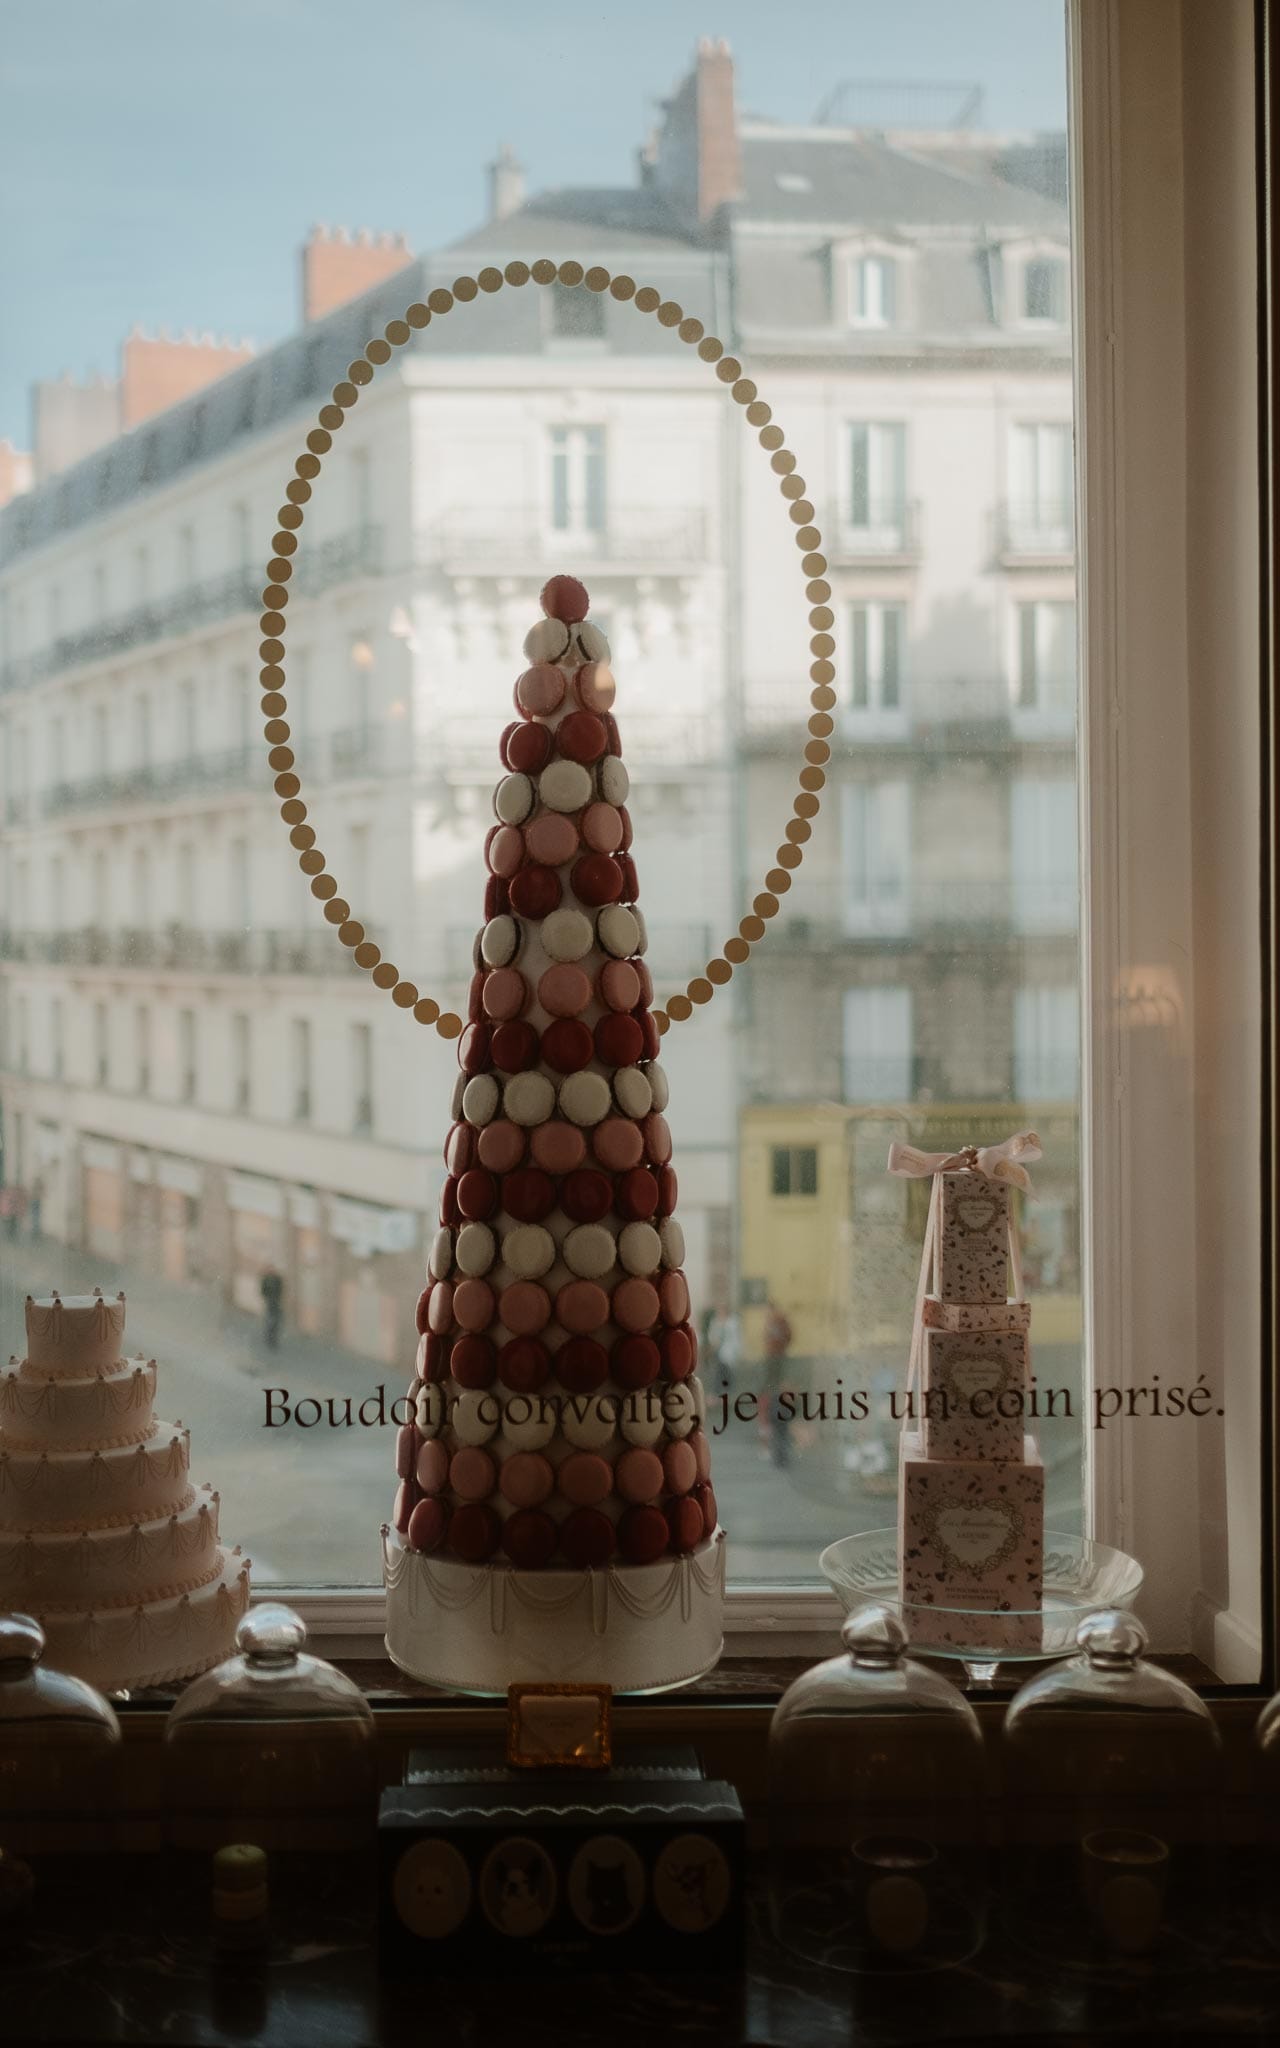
{"x": 857, "y": 179}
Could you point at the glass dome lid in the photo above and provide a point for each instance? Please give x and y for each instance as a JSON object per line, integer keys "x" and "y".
{"x": 874, "y": 1675}
{"x": 1109, "y": 1675}
{"x": 270, "y": 1677}
{"x": 36, "y": 1702}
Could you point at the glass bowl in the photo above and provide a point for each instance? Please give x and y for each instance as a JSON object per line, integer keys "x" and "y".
{"x": 1080, "y": 1576}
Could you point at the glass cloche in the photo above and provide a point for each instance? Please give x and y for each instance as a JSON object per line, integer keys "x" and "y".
{"x": 877, "y": 1857}
{"x": 1111, "y": 1768}
{"x": 274, "y": 1748}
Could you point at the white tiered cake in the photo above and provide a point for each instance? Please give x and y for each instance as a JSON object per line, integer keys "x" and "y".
{"x": 103, "y": 1537}
{"x": 555, "y": 1518}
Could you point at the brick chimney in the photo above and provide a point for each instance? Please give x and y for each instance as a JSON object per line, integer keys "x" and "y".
{"x": 337, "y": 266}
{"x": 156, "y": 371}
{"x": 506, "y": 183}
{"x": 695, "y": 156}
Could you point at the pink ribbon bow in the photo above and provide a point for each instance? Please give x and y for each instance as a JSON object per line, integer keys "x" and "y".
{"x": 997, "y": 1162}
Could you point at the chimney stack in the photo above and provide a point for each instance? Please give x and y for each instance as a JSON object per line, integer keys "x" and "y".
{"x": 695, "y": 156}
{"x": 506, "y": 184}
{"x": 338, "y": 266}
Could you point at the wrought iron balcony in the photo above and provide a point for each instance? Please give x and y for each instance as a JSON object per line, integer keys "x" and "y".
{"x": 881, "y": 530}
{"x": 1040, "y": 530}
{"x": 184, "y": 949}
{"x": 478, "y": 540}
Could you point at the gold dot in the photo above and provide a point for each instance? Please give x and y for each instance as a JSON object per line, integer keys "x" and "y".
{"x": 662, "y": 1021}
{"x": 345, "y": 395}
{"x": 308, "y": 465}
{"x": 806, "y": 536}
{"x": 691, "y": 329}
{"x": 515, "y": 273}
{"x": 670, "y": 313}
{"x": 367, "y": 955}
{"x": 806, "y": 807}
{"x": 284, "y": 544}
{"x": 385, "y": 975}
{"x": 280, "y": 757}
{"x": 465, "y": 289}
{"x": 297, "y": 491}
{"x": 418, "y": 315}
{"x": 771, "y": 437}
{"x": 597, "y": 279}
{"x": 801, "y": 512}
{"x": 271, "y": 622}
{"x": 404, "y": 995}
{"x": 331, "y": 416}
{"x": 818, "y": 752}
{"x": 710, "y": 349}
{"x": 752, "y": 928}
{"x": 273, "y": 703}
{"x": 728, "y": 369}
{"x": 287, "y": 785}
{"x": 821, "y": 725}
{"x": 279, "y": 572}
{"x": 822, "y": 644}
{"x": 397, "y": 332}
{"x": 623, "y": 287}
{"x": 818, "y": 592}
{"x": 351, "y": 932}
{"x": 736, "y": 950}
{"x": 765, "y": 906}
{"x": 812, "y": 778}
{"x": 312, "y": 860}
{"x": 778, "y": 880}
{"x": 294, "y": 811}
{"x": 759, "y": 414}
{"x": 425, "y": 1010}
{"x": 821, "y": 618}
{"x": 822, "y": 699}
{"x": 814, "y": 565}
{"x": 543, "y": 270}
{"x": 783, "y": 462}
{"x": 647, "y": 300}
{"x": 792, "y": 487}
{"x": 789, "y": 856}
{"x": 571, "y": 272}
{"x": 319, "y": 443}
{"x": 270, "y": 673}
{"x": 743, "y": 391}
{"x": 378, "y": 350}
{"x": 302, "y": 836}
{"x": 440, "y": 301}
{"x": 700, "y": 989}
{"x": 289, "y": 517}
{"x": 323, "y": 885}
{"x": 719, "y": 971}
{"x": 679, "y": 1008}
{"x": 489, "y": 280}
{"x": 337, "y": 911}
{"x": 821, "y": 672}
{"x": 799, "y": 831}
{"x": 275, "y": 597}
{"x": 449, "y": 1025}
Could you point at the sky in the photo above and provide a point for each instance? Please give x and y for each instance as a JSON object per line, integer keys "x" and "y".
{"x": 162, "y": 161}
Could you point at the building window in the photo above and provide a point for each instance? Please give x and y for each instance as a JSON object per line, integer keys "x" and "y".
{"x": 57, "y": 1038}
{"x": 241, "y": 1063}
{"x": 577, "y": 480}
{"x": 1040, "y": 509}
{"x": 876, "y": 827}
{"x": 1046, "y": 1044}
{"x": 1046, "y": 658}
{"x": 793, "y": 1170}
{"x": 142, "y": 1047}
{"x": 877, "y": 503}
{"x": 301, "y": 1070}
{"x": 876, "y": 634}
{"x": 101, "y": 1045}
{"x": 1043, "y": 833}
{"x": 872, "y": 291}
{"x": 1044, "y": 290}
{"x": 187, "y": 1055}
{"x": 877, "y": 1045}
{"x": 362, "y": 1078}
{"x": 577, "y": 314}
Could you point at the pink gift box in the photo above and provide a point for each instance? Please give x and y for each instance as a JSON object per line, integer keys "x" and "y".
{"x": 966, "y": 1373}
{"x": 975, "y": 1315}
{"x": 971, "y": 1537}
{"x": 971, "y": 1253}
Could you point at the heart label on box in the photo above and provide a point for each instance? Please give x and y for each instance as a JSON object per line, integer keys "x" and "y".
{"x": 976, "y": 1213}
{"x": 965, "y": 1377}
{"x": 974, "y": 1535}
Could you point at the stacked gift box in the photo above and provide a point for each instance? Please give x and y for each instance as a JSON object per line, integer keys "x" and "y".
{"x": 971, "y": 1493}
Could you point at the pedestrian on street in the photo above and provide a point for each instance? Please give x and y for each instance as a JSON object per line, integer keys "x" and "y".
{"x": 272, "y": 1289}
{"x": 777, "y": 1343}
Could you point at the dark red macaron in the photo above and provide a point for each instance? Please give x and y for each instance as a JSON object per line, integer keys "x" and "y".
{"x": 587, "y": 1538}
{"x": 596, "y": 879}
{"x": 427, "y": 1525}
{"x": 504, "y": 742}
{"x": 565, "y": 598}
{"x": 514, "y": 1046}
{"x": 585, "y": 1195}
{"x": 420, "y": 1316}
{"x": 627, "y": 833}
{"x": 477, "y": 1195}
{"x": 581, "y": 736}
{"x": 645, "y": 979}
{"x": 685, "y": 1521}
{"x": 523, "y": 1364}
{"x": 435, "y": 1358}
{"x": 459, "y": 1148}
{"x": 649, "y": 1030}
{"x": 678, "y": 1352}
{"x": 704, "y": 1494}
{"x": 474, "y": 1531}
{"x": 636, "y": 1362}
{"x": 535, "y": 891}
{"x": 567, "y": 1045}
{"x": 497, "y": 896}
{"x": 636, "y": 1195}
{"x": 473, "y": 1361}
{"x": 528, "y": 1194}
{"x": 529, "y": 1539}
{"x": 668, "y": 1188}
{"x": 529, "y": 749}
{"x": 474, "y": 1054}
{"x": 475, "y": 997}
{"x": 449, "y": 1210}
{"x": 619, "y": 1040}
{"x": 630, "y": 879}
{"x": 643, "y": 1535}
{"x": 582, "y": 1365}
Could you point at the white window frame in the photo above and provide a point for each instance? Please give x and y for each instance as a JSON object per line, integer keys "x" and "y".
{"x": 884, "y": 906}
{"x": 875, "y": 714}
{"x": 887, "y": 265}
{"x": 575, "y": 534}
{"x": 884, "y": 530}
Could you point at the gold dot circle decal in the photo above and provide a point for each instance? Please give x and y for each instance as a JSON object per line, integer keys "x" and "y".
{"x": 727, "y": 370}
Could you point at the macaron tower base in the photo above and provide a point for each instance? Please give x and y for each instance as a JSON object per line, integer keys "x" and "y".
{"x": 555, "y": 1520}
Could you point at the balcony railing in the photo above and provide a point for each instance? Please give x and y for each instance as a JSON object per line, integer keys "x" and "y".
{"x": 1035, "y": 530}
{"x": 484, "y": 541}
{"x": 318, "y": 566}
{"x": 884, "y": 529}
{"x": 180, "y": 948}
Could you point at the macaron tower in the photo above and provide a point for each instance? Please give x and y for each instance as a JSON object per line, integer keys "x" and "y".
{"x": 555, "y": 1518}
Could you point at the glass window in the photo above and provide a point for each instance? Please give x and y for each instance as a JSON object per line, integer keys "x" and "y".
{"x": 1040, "y": 509}
{"x": 576, "y": 313}
{"x": 878, "y": 480}
{"x": 793, "y": 1170}
{"x": 1046, "y": 672}
{"x": 577, "y": 480}
{"x": 876, "y": 819}
{"x": 1046, "y": 1043}
{"x": 874, "y": 287}
{"x": 1044, "y": 289}
{"x": 877, "y": 1045}
{"x": 876, "y": 636}
{"x": 1043, "y": 858}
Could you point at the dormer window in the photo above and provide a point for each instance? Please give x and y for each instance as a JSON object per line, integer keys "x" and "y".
{"x": 1044, "y": 290}
{"x": 872, "y": 291}
{"x": 577, "y": 313}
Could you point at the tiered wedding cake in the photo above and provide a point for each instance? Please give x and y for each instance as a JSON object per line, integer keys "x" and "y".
{"x": 555, "y": 1518}
{"x": 102, "y": 1535}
